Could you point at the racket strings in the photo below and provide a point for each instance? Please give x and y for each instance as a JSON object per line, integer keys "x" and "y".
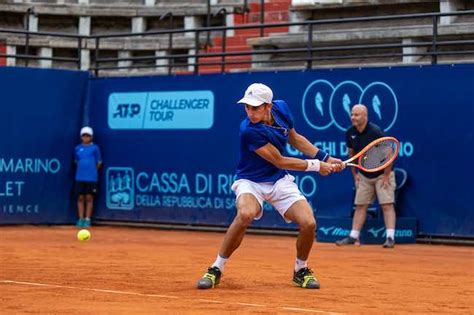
{"x": 378, "y": 155}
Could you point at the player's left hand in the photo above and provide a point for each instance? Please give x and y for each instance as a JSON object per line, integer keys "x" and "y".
{"x": 337, "y": 164}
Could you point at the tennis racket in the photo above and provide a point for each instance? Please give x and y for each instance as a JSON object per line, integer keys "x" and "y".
{"x": 376, "y": 156}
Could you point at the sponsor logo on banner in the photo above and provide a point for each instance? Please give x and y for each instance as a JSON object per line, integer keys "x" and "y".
{"x": 19, "y": 177}
{"x": 120, "y": 189}
{"x": 375, "y": 232}
{"x": 128, "y": 188}
{"x": 333, "y": 229}
{"x": 161, "y": 110}
{"x": 325, "y": 104}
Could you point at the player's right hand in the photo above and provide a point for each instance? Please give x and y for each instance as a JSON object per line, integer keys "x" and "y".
{"x": 325, "y": 168}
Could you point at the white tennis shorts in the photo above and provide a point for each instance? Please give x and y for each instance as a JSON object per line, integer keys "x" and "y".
{"x": 281, "y": 194}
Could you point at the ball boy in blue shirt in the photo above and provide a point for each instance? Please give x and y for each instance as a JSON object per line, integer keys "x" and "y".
{"x": 88, "y": 160}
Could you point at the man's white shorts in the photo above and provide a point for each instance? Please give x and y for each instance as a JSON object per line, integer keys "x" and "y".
{"x": 281, "y": 194}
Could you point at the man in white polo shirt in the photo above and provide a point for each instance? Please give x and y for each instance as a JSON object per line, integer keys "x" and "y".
{"x": 262, "y": 176}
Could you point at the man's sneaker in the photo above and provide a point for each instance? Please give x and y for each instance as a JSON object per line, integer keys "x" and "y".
{"x": 389, "y": 243}
{"x": 86, "y": 223}
{"x": 210, "y": 279}
{"x": 304, "y": 278}
{"x": 348, "y": 241}
{"x": 80, "y": 223}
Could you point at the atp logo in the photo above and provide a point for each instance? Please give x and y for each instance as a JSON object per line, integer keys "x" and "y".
{"x": 127, "y": 110}
{"x": 324, "y": 104}
{"x": 120, "y": 188}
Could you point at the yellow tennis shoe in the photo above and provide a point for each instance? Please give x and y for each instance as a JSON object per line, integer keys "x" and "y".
{"x": 305, "y": 278}
{"x": 210, "y": 279}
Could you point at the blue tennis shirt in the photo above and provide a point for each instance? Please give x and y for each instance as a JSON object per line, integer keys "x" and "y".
{"x": 87, "y": 158}
{"x": 254, "y": 136}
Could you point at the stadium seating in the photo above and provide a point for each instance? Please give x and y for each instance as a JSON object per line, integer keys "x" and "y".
{"x": 337, "y": 43}
{"x": 93, "y": 17}
{"x": 395, "y": 32}
{"x": 275, "y": 11}
{"x": 3, "y": 50}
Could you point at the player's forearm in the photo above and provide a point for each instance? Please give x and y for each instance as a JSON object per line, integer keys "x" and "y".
{"x": 302, "y": 144}
{"x": 306, "y": 147}
{"x": 291, "y": 164}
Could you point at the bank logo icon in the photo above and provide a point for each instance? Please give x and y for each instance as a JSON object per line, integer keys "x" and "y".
{"x": 120, "y": 188}
{"x": 325, "y": 104}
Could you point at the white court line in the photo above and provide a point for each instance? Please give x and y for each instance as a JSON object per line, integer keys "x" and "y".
{"x": 210, "y": 301}
{"x": 163, "y": 296}
{"x": 250, "y": 304}
{"x": 111, "y": 291}
{"x": 88, "y": 289}
{"x": 308, "y": 310}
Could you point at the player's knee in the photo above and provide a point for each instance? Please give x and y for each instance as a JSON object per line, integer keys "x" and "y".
{"x": 308, "y": 225}
{"x": 245, "y": 217}
{"x": 89, "y": 198}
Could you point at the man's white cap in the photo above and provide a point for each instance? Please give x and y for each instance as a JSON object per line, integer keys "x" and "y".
{"x": 87, "y": 131}
{"x": 257, "y": 94}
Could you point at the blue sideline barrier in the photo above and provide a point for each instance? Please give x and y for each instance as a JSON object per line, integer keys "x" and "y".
{"x": 170, "y": 143}
{"x": 40, "y": 115}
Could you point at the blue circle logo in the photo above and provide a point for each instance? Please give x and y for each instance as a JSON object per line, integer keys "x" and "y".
{"x": 345, "y": 95}
{"x": 315, "y": 104}
{"x": 382, "y": 104}
{"x": 324, "y": 104}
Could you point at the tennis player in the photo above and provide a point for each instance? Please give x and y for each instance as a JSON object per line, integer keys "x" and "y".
{"x": 262, "y": 176}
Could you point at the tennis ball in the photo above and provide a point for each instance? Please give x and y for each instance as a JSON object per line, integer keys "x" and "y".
{"x": 83, "y": 235}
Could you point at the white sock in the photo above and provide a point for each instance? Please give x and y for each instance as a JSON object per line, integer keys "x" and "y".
{"x": 220, "y": 262}
{"x": 391, "y": 233}
{"x": 299, "y": 264}
{"x": 355, "y": 234}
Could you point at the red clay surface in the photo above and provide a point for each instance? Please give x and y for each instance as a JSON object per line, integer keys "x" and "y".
{"x": 147, "y": 271}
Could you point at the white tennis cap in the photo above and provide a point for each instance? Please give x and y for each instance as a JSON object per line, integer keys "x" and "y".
{"x": 257, "y": 94}
{"x": 87, "y": 131}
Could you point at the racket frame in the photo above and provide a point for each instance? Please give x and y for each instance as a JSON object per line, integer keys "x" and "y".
{"x": 359, "y": 155}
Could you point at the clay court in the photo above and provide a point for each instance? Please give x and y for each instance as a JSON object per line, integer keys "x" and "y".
{"x": 150, "y": 271}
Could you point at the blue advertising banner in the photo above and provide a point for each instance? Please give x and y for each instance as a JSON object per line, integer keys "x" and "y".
{"x": 40, "y": 118}
{"x": 171, "y": 144}
{"x": 331, "y": 229}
